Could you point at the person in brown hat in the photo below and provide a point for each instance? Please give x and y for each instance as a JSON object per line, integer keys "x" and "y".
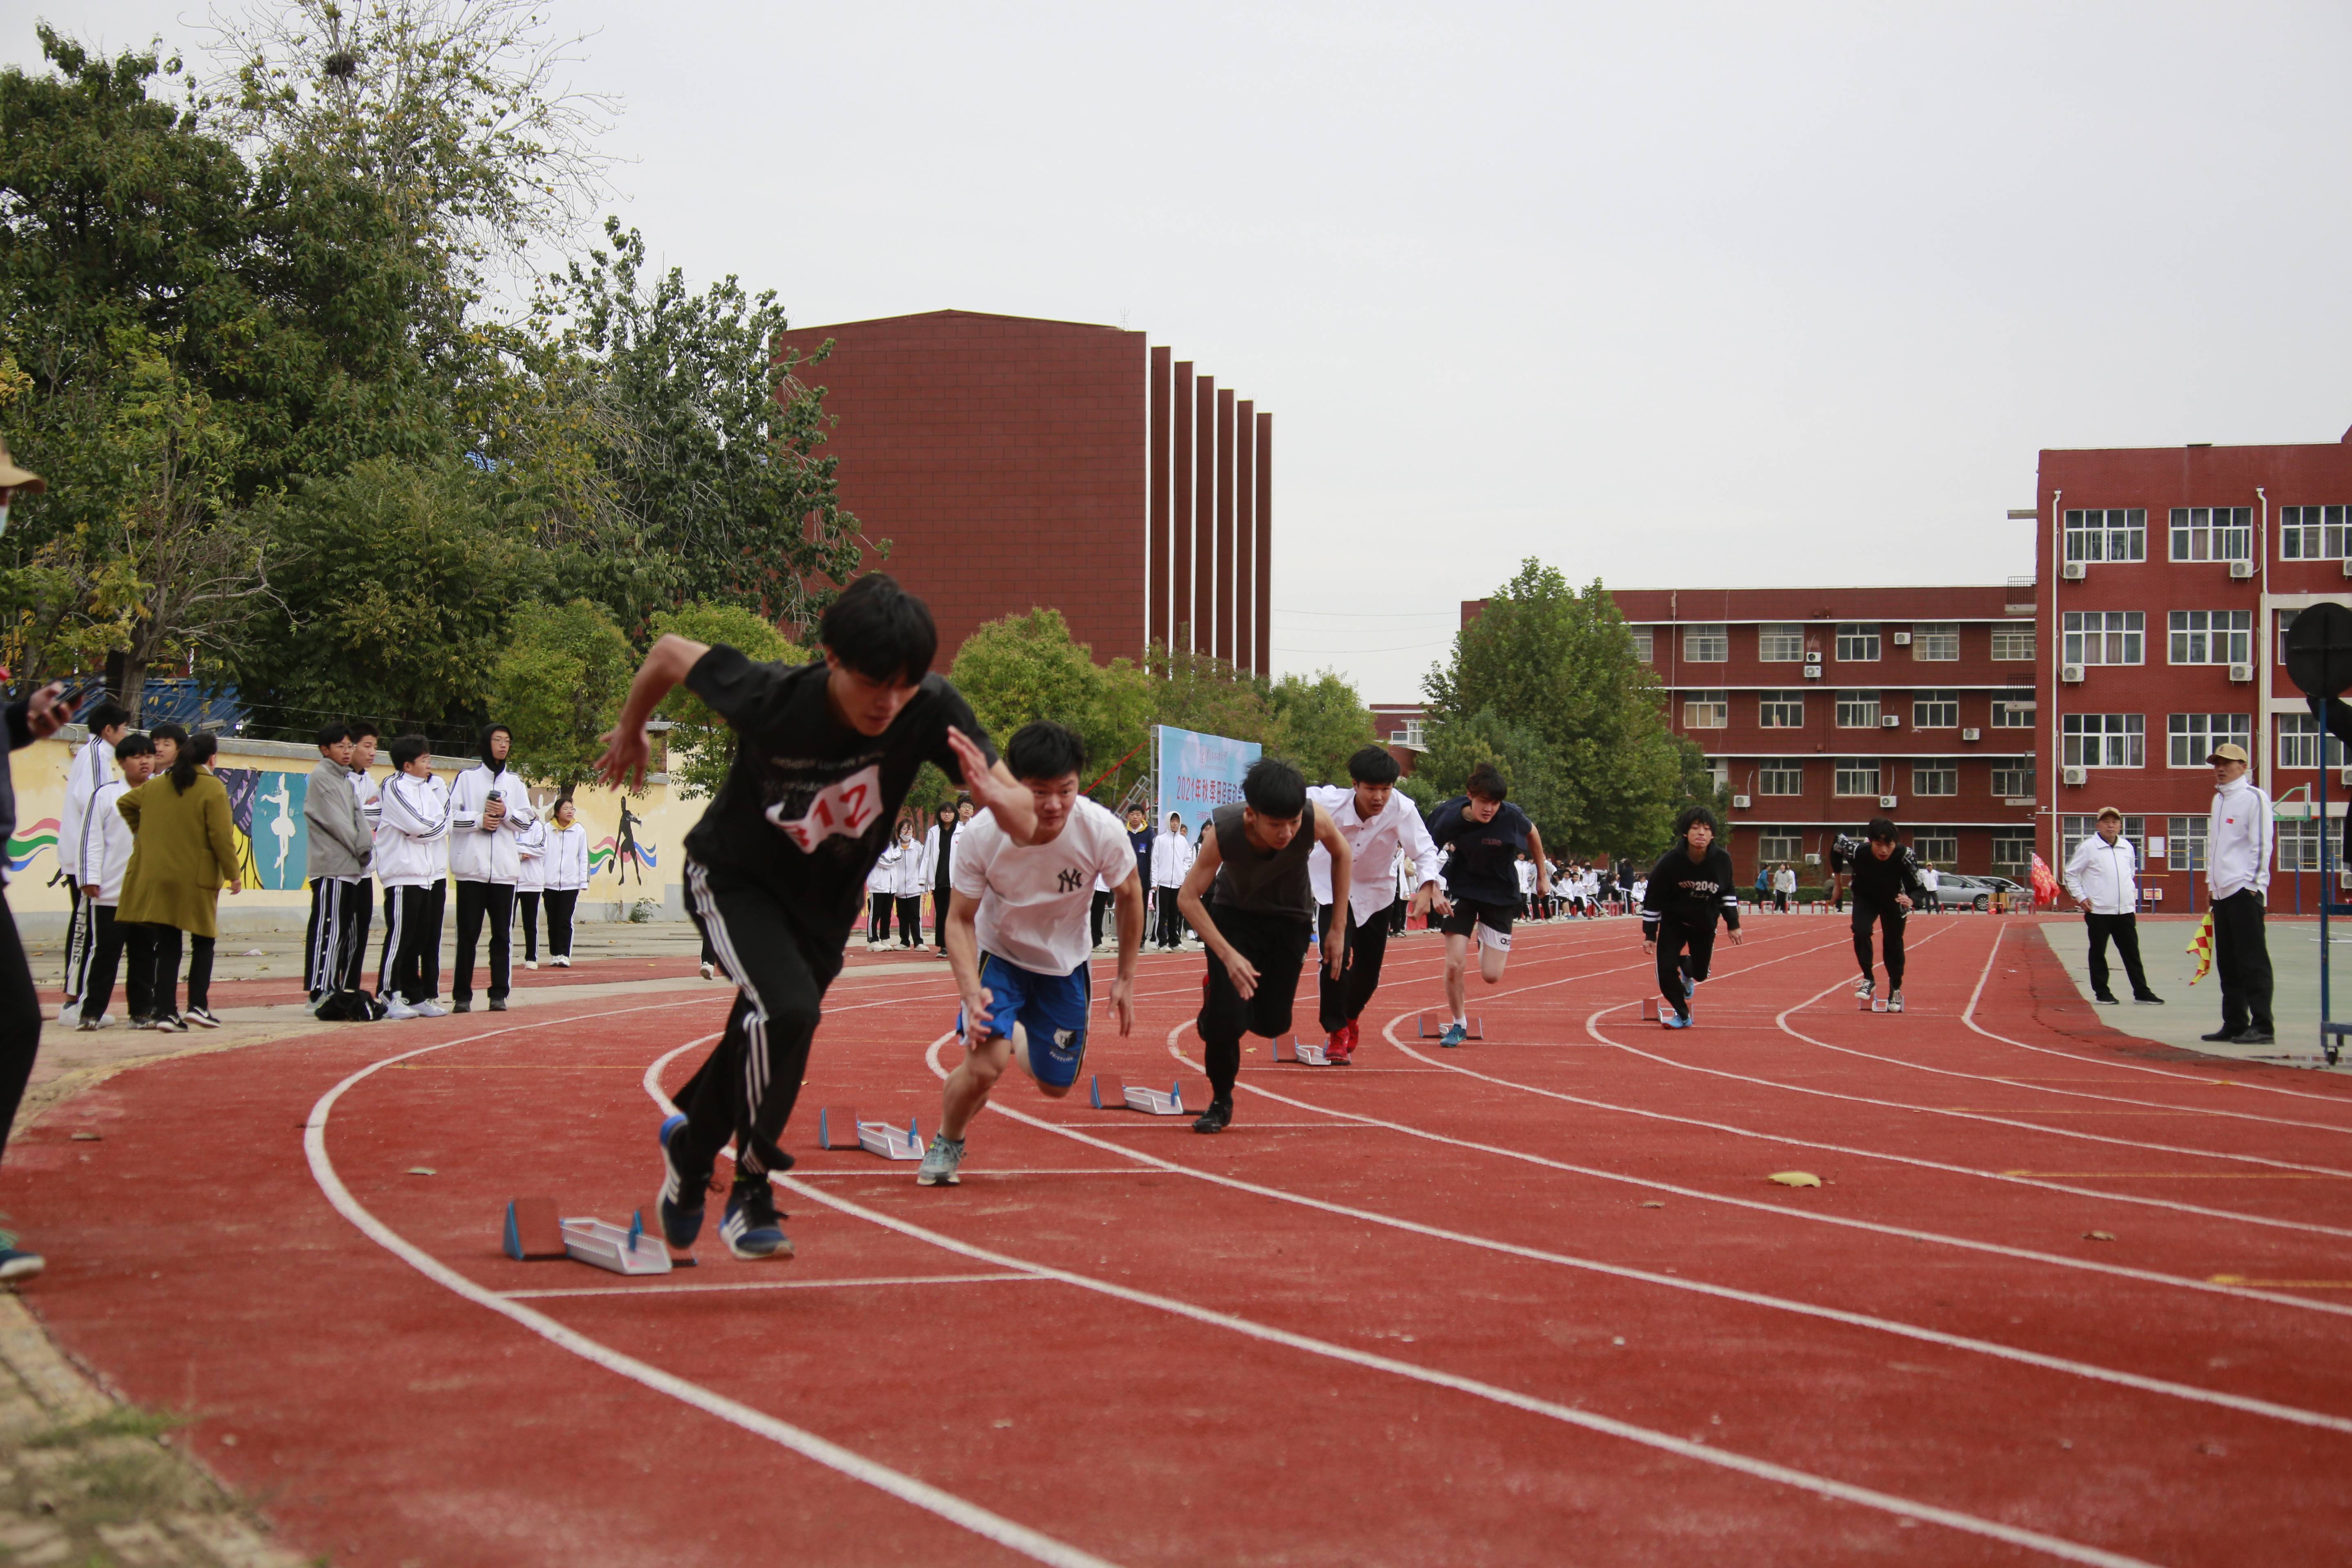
{"x": 27, "y": 719}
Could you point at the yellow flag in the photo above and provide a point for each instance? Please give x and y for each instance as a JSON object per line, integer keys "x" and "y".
{"x": 2201, "y": 947}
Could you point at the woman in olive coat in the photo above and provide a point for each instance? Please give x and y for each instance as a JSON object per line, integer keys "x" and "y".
{"x": 184, "y": 849}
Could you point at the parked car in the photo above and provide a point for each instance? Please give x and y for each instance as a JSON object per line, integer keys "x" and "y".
{"x": 1973, "y": 892}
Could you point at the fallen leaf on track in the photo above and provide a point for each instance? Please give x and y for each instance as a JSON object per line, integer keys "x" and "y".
{"x": 2098, "y": 1235}
{"x": 1795, "y": 1178}
{"x": 1653, "y": 1206}
{"x": 422, "y": 1170}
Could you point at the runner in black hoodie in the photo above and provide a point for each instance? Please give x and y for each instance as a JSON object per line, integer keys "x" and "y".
{"x": 1691, "y": 884}
{"x": 1886, "y": 883}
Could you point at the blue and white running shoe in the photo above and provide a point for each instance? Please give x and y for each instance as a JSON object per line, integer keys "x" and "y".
{"x": 752, "y": 1229}
{"x": 1454, "y": 1034}
{"x": 680, "y": 1204}
{"x": 1676, "y": 1021}
{"x": 17, "y": 1262}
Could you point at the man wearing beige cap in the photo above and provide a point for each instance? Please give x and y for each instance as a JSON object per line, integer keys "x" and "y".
{"x": 2237, "y": 880}
{"x": 27, "y": 720}
{"x": 2103, "y": 875}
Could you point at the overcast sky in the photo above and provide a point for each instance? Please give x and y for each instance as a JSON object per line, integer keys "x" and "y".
{"x": 1783, "y": 295}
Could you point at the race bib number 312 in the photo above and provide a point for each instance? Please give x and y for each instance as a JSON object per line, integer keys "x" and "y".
{"x": 846, "y": 808}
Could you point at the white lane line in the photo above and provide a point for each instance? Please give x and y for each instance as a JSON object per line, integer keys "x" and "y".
{"x": 2190, "y": 1392}
{"x": 886, "y": 1172}
{"x": 1968, "y": 1016}
{"x": 714, "y": 1289}
{"x": 932, "y": 1500}
{"x": 1700, "y": 1453}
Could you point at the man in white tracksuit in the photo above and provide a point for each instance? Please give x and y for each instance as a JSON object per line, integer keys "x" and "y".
{"x": 411, "y": 860}
{"x": 1171, "y": 859}
{"x": 2103, "y": 877}
{"x": 489, "y": 804}
{"x": 93, "y": 769}
{"x": 2238, "y": 880}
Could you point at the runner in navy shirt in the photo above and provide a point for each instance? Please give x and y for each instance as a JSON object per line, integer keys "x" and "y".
{"x": 1484, "y": 834}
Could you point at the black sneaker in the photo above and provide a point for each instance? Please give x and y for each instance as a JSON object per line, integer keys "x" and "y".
{"x": 202, "y": 1018}
{"x": 2150, "y": 1000}
{"x": 2223, "y": 1036}
{"x": 2255, "y": 1037}
{"x": 498, "y": 1003}
{"x": 679, "y": 1207}
{"x": 461, "y": 1006}
{"x": 2107, "y": 1001}
{"x": 1216, "y": 1119}
{"x": 752, "y": 1229}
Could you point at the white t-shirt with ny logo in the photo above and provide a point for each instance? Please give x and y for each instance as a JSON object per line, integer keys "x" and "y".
{"x": 1035, "y": 898}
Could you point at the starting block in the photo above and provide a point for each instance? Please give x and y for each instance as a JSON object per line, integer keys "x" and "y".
{"x": 629, "y": 1251}
{"x": 1306, "y": 1053}
{"x": 533, "y": 1230}
{"x": 1873, "y": 1004}
{"x": 1649, "y": 1009}
{"x": 1110, "y": 1094}
{"x": 838, "y": 1127}
{"x": 1430, "y": 1028}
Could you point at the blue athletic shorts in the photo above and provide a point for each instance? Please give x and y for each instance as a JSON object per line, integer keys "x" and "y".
{"x": 1051, "y": 1010}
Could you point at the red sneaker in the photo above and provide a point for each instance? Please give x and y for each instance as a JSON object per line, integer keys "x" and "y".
{"x": 1336, "y": 1046}
{"x": 1355, "y": 1039}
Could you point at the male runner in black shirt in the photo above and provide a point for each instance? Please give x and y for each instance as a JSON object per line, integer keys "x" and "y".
{"x": 1884, "y": 881}
{"x": 1691, "y": 884}
{"x": 1484, "y": 834}
{"x": 825, "y": 754}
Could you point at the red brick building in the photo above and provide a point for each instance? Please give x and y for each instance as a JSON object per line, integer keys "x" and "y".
{"x": 2168, "y": 577}
{"x": 1823, "y": 708}
{"x": 1012, "y": 462}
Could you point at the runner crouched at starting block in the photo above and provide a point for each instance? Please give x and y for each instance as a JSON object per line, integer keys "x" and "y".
{"x": 1019, "y": 939}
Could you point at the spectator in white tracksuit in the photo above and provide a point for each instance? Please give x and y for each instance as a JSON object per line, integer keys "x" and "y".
{"x": 2238, "y": 880}
{"x": 531, "y": 885}
{"x": 907, "y": 888}
{"x": 488, "y": 806}
{"x": 567, "y": 878}
{"x": 93, "y": 769}
{"x": 1171, "y": 862}
{"x": 2103, "y": 877}
{"x": 412, "y": 861}
{"x": 882, "y": 896}
{"x": 102, "y": 872}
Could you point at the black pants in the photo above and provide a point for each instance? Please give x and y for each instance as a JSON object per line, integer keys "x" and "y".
{"x": 1172, "y": 919}
{"x": 411, "y": 968}
{"x": 527, "y": 916}
{"x": 1095, "y": 913}
{"x": 1275, "y": 946}
{"x": 336, "y": 960}
{"x": 1684, "y": 952}
{"x": 560, "y": 902}
{"x": 1341, "y": 1001}
{"x": 1780, "y": 902}
{"x": 20, "y": 1021}
{"x": 745, "y": 1089}
{"x": 2241, "y": 957}
{"x": 480, "y": 902}
{"x": 1890, "y": 923}
{"x": 2125, "y": 929}
{"x": 940, "y": 917}
{"x": 310, "y": 982}
{"x": 709, "y": 953}
{"x": 878, "y": 920}
{"x": 112, "y": 942}
{"x": 165, "y": 988}
{"x": 1397, "y": 913}
{"x": 79, "y": 929}
{"x": 910, "y": 921}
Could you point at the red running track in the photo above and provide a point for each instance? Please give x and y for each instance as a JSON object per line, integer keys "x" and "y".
{"x": 1529, "y": 1300}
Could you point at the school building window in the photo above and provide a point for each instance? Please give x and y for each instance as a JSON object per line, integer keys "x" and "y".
{"x": 2114, "y": 533}
{"x": 2073, "y": 830}
{"x": 2193, "y": 736}
{"x": 1941, "y": 776}
{"x": 1781, "y": 709}
{"x": 1857, "y": 643}
{"x": 2184, "y": 848}
{"x": 1857, "y": 710}
{"x": 2104, "y": 636}
{"x": 2212, "y": 533}
{"x": 1781, "y": 847}
{"x": 1644, "y": 644}
{"x": 2014, "y": 643}
{"x": 2104, "y": 739}
{"x": 1705, "y": 710}
{"x": 2298, "y": 845}
{"x": 1706, "y": 645}
{"x": 2312, "y": 533}
{"x": 1934, "y": 710}
{"x": 1936, "y": 642}
{"x": 1781, "y": 642}
{"x": 2212, "y": 637}
{"x": 2012, "y": 777}
{"x": 2299, "y": 743}
{"x": 2012, "y": 846}
{"x": 1781, "y": 775}
{"x": 1856, "y": 775}
{"x": 2012, "y": 712}
{"x": 1938, "y": 850}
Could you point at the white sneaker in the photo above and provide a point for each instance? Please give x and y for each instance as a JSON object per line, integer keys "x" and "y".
{"x": 430, "y": 1009}
{"x": 394, "y": 1008}
{"x": 561, "y": 960}
{"x": 531, "y": 963}
{"x": 707, "y": 970}
{"x": 70, "y": 1011}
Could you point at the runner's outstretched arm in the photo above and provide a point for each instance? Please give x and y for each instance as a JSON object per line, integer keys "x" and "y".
{"x": 627, "y": 749}
{"x": 962, "y": 943}
{"x": 1131, "y": 945}
{"x": 1343, "y": 861}
{"x": 992, "y": 786}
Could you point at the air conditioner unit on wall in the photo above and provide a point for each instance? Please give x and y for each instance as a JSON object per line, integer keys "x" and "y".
{"x": 2072, "y": 571}
{"x": 2071, "y": 673}
{"x": 1814, "y": 657}
{"x": 2241, "y": 568}
{"x": 1971, "y": 734}
{"x": 1812, "y": 672}
{"x": 2348, "y": 566}
{"x": 1812, "y": 860}
{"x": 1739, "y": 803}
{"x": 2241, "y": 672}
{"x": 2078, "y": 776}
{"x": 1902, "y": 639}
{"x": 1886, "y": 803}
{"x": 1889, "y": 721}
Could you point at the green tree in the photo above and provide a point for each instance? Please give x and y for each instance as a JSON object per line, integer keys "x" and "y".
{"x": 1561, "y": 664}
{"x": 700, "y": 744}
{"x": 1209, "y": 695}
{"x": 1530, "y": 769}
{"x": 396, "y": 585}
{"x": 1319, "y": 725}
{"x": 1028, "y": 667}
{"x": 557, "y": 689}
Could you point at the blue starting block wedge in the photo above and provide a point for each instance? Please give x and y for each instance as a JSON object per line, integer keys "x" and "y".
{"x": 533, "y": 1230}
{"x": 1106, "y": 1093}
{"x": 1303, "y": 1053}
{"x": 1432, "y": 1026}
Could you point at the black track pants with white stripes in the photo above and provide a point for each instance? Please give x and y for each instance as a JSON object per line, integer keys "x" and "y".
{"x": 340, "y": 917}
{"x": 746, "y": 1087}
